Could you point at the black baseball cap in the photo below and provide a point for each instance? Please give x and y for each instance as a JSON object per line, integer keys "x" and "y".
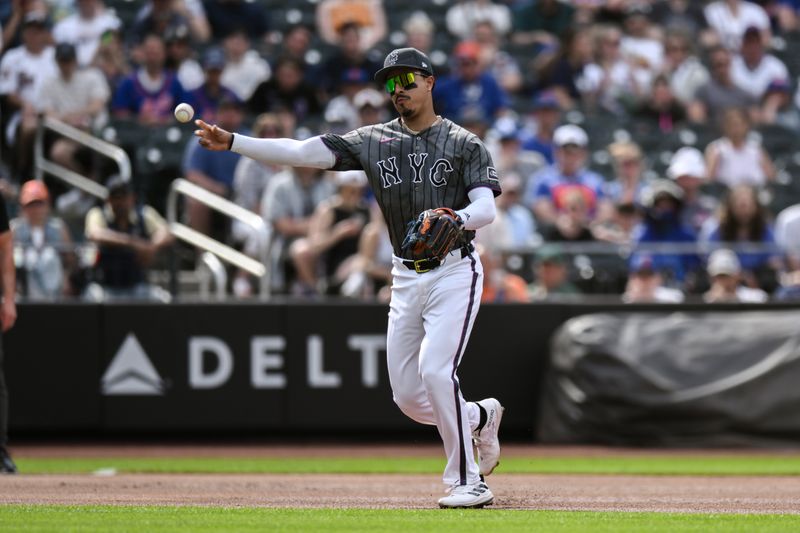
{"x": 404, "y": 57}
{"x": 65, "y": 52}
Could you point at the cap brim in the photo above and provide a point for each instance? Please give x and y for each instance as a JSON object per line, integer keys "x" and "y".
{"x": 380, "y": 76}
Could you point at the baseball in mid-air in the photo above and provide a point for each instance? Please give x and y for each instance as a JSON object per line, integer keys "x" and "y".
{"x": 184, "y": 112}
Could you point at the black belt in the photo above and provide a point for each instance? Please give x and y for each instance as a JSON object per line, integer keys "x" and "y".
{"x": 426, "y": 265}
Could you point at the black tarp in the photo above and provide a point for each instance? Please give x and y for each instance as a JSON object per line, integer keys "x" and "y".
{"x": 679, "y": 379}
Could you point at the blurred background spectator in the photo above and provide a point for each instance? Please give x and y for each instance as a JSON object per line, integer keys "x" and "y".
{"x": 724, "y": 271}
{"x": 551, "y": 276}
{"x": 736, "y": 158}
{"x": 129, "y": 236}
{"x": 47, "y": 257}
{"x": 85, "y": 28}
{"x": 367, "y": 15}
{"x": 465, "y": 14}
{"x": 646, "y": 283}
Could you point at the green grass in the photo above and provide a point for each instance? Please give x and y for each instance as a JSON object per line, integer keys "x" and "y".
{"x": 643, "y": 465}
{"x": 111, "y": 519}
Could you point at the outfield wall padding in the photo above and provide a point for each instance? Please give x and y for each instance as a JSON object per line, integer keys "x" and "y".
{"x": 233, "y": 370}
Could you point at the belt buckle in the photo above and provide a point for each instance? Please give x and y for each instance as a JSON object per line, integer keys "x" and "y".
{"x": 418, "y": 269}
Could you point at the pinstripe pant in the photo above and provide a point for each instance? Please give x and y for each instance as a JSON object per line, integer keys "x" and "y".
{"x": 430, "y": 320}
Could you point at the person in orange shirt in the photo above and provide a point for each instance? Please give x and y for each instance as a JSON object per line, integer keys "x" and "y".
{"x": 500, "y": 286}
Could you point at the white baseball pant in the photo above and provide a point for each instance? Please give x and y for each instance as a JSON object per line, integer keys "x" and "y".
{"x": 430, "y": 320}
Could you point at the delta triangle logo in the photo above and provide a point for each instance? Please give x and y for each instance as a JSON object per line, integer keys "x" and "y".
{"x": 131, "y": 372}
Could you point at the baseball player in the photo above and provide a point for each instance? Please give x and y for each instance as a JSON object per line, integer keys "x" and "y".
{"x": 435, "y": 184}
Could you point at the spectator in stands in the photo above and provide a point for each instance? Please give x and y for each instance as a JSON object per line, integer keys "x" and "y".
{"x": 621, "y": 227}
{"x": 245, "y": 69}
{"x": 753, "y": 69}
{"x": 371, "y": 107}
{"x": 296, "y": 44}
{"x": 368, "y": 15}
{"x": 551, "y": 276}
{"x": 572, "y": 222}
{"x": 661, "y": 111}
{"x": 470, "y": 91}
{"x": 724, "y": 271}
{"x": 731, "y": 18}
{"x": 129, "y": 236}
{"x": 500, "y": 286}
{"x": 371, "y": 276}
{"x": 289, "y": 201}
{"x": 462, "y": 17}
{"x": 327, "y": 255}
{"x": 686, "y": 73}
{"x": 628, "y": 184}
{"x": 515, "y": 219}
{"x": 77, "y": 96}
{"x": 494, "y": 60}
{"x": 341, "y": 113}
{"x": 213, "y": 171}
{"x": 158, "y": 17}
{"x": 250, "y": 181}
{"x": 787, "y": 235}
{"x": 111, "y": 59}
{"x": 646, "y": 283}
{"x": 777, "y": 107}
{"x": 540, "y": 23}
{"x": 785, "y": 13}
{"x": 688, "y": 169}
{"x": 207, "y": 98}
{"x": 736, "y": 158}
{"x": 287, "y": 90}
{"x": 561, "y": 70}
{"x": 85, "y": 28}
{"x": 720, "y": 93}
{"x": 546, "y": 190}
{"x": 680, "y": 15}
{"x": 231, "y": 16}
{"x": 171, "y": 13}
{"x": 22, "y": 71}
{"x": 614, "y": 82}
{"x": 644, "y": 51}
{"x": 45, "y": 242}
{"x": 151, "y": 93}
{"x": 348, "y": 54}
{"x": 419, "y": 29}
{"x": 180, "y": 58}
{"x": 505, "y": 145}
{"x": 662, "y": 224}
{"x": 743, "y": 220}
{"x": 546, "y": 115}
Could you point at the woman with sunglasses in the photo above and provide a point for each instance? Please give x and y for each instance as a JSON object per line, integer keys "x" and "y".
{"x": 416, "y": 162}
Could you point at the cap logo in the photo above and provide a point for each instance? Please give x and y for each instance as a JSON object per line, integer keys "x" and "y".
{"x": 424, "y": 64}
{"x": 391, "y": 59}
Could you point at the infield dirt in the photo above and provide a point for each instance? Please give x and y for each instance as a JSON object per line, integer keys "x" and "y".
{"x": 704, "y": 494}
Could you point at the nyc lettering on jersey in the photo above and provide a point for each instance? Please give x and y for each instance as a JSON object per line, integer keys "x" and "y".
{"x": 437, "y": 174}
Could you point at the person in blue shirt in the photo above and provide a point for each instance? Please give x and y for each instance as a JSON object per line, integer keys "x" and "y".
{"x": 662, "y": 224}
{"x": 470, "y": 90}
{"x": 206, "y": 98}
{"x": 212, "y": 170}
{"x": 548, "y": 188}
{"x": 546, "y": 114}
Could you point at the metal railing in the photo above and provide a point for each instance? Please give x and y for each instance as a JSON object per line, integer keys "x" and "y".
{"x": 259, "y": 269}
{"x": 71, "y": 177}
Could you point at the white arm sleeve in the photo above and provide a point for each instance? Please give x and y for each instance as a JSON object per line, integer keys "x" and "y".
{"x": 309, "y": 153}
{"x": 481, "y": 210}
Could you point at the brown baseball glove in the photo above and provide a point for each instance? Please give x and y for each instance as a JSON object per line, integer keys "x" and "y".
{"x": 434, "y": 233}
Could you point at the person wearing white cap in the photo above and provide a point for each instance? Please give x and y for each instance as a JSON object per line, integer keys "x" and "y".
{"x": 547, "y": 188}
{"x": 688, "y": 169}
{"x": 333, "y": 235}
{"x": 724, "y": 271}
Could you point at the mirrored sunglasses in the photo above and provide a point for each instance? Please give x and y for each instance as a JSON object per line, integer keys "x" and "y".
{"x": 407, "y": 80}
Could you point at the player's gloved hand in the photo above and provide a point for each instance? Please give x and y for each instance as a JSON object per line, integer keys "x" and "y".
{"x": 434, "y": 233}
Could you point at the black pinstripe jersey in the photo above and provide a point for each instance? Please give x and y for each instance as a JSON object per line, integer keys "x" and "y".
{"x": 410, "y": 172}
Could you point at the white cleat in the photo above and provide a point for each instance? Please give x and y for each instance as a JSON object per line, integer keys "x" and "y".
{"x": 486, "y": 440}
{"x": 467, "y": 496}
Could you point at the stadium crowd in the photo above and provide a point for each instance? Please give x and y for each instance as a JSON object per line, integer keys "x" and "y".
{"x": 646, "y": 149}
